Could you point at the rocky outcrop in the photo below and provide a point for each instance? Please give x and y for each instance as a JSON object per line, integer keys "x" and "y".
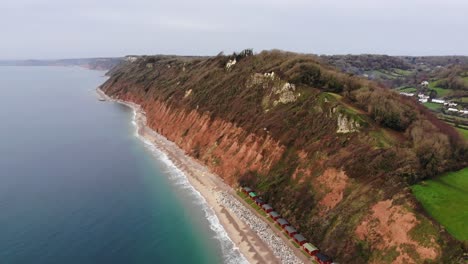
{"x": 346, "y": 124}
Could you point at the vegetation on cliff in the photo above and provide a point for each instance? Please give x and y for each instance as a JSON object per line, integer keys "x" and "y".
{"x": 346, "y": 147}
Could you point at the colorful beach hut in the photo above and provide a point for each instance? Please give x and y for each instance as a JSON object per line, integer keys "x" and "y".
{"x": 282, "y": 222}
{"x": 246, "y": 190}
{"x": 310, "y": 249}
{"x": 300, "y": 239}
{"x": 267, "y": 208}
{"x": 290, "y": 230}
{"x": 322, "y": 258}
{"x": 274, "y": 215}
{"x": 259, "y": 201}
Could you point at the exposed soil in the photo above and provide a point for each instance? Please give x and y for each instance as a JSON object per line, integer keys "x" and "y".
{"x": 389, "y": 226}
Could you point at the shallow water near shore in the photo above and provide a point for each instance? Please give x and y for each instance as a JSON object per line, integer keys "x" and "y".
{"x": 78, "y": 186}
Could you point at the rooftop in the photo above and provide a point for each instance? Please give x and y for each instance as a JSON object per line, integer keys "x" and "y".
{"x": 273, "y": 213}
{"x": 299, "y": 237}
{"x": 282, "y": 221}
{"x": 290, "y": 229}
{"x": 323, "y": 257}
{"x": 310, "y": 247}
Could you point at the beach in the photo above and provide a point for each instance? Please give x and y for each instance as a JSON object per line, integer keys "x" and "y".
{"x": 256, "y": 239}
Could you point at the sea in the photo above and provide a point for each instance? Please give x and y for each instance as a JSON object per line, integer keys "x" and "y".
{"x": 78, "y": 185}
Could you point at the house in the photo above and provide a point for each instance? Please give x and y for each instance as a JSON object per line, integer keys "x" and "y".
{"x": 438, "y": 101}
{"x": 282, "y": 222}
{"x": 407, "y": 94}
{"x": 274, "y": 215}
{"x": 423, "y": 100}
{"x": 259, "y": 201}
{"x": 246, "y": 190}
{"x": 452, "y": 104}
{"x": 252, "y": 195}
{"x": 267, "y": 208}
{"x": 424, "y": 83}
{"x": 290, "y": 230}
{"x": 322, "y": 258}
{"x": 310, "y": 249}
{"x": 300, "y": 239}
{"x": 453, "y": 110}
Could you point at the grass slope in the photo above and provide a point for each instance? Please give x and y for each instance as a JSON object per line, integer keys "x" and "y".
{"x": 446, "y": 199}
{"x": 464, "y": 133}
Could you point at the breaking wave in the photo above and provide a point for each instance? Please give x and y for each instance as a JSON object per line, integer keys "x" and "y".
{"x": 230, "y": 251}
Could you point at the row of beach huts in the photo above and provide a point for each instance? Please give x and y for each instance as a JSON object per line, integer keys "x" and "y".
{"x": 308, "y": 247}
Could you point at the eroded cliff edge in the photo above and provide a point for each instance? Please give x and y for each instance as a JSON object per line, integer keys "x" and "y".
{"x": 333, "y": 153}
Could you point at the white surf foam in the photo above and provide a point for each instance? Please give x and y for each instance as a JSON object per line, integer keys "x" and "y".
{"x": 231, "y": 253}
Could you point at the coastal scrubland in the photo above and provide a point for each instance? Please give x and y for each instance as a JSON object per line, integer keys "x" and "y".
{"x": 334, "y": 153}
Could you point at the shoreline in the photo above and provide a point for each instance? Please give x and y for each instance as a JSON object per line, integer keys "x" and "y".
{"x": 252, "y": 236}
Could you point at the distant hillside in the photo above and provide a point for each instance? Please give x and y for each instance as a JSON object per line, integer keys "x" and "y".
{"x": 90, "y": 63}
{"x": 333, "y": 152}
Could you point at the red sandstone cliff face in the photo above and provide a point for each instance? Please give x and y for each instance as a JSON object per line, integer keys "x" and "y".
{"x": 230, "y": 151}
{"x": 226, "y": 149}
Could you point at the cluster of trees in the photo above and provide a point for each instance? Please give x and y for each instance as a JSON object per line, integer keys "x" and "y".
{"x": 358, "y": 64}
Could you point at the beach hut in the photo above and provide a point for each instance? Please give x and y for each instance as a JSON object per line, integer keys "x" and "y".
{"x": 300, "y": 239}
{"x": 267, "y": 208}
{"x": 274, "y": 215}
{"x": 310, "y": 249}
{"x": 259, "y": 201}
{"x": 246, "y": 190}
{"x": 290, "y": 230}
{"x": 282, "y": 222}
{"x": 322, "y": 258}
{"x": 252, "y": 195}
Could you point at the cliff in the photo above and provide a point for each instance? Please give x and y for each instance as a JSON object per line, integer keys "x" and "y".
{"x": 333, "y": 153}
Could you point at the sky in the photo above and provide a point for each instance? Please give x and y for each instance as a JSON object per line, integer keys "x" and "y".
{"x": 52, "y": 29}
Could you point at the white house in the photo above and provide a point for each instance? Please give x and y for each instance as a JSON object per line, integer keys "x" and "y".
{"x": 423, "y": 100}
{"x": 425, "y": 84}
{"x": 407, "y": 94}
{"x": 438, "y": 101}
{"x": 453, "y": 110}
{"x": 452, "y": 104}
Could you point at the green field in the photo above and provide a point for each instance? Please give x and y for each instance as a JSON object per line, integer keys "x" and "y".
{"x": 433, "y": 106}
{"x": 446, "y": 199}
{"x": 463, "y": 132}
{"x": 408, "y": 90}
{"x": 442, "y": 92}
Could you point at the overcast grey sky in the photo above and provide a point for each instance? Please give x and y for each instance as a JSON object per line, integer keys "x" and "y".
{"x": 90, "y": 28}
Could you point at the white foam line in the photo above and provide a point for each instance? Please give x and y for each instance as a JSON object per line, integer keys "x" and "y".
{"x": 231, "y": 253}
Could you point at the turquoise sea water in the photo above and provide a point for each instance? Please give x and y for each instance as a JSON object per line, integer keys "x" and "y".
{"x": 77, "y": 185}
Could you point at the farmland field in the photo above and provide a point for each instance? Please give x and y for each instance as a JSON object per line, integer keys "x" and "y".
{"x": 446, "y": 199}
{"x": 433, "y": 106}
{"x": 464, "y": 133}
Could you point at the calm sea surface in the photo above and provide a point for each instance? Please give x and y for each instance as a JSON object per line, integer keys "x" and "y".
{"x": 77, "y": 185}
